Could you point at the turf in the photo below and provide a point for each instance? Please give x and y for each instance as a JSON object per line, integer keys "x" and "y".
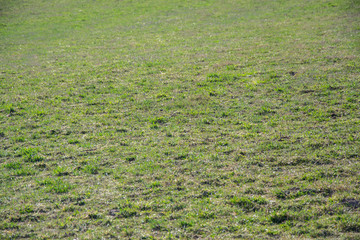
{"x": 179, "y": 119}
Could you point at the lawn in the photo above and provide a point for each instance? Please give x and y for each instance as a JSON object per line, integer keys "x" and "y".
{"x": 180, "y": 119}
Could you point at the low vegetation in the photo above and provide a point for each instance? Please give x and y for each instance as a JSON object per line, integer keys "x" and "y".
{"x": 179, "y": 119}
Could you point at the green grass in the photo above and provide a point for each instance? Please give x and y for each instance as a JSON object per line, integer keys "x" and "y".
{"x": 179, "y": 119}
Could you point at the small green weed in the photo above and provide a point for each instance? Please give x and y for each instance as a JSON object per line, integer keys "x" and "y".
{"x": 230, "y": 67}
{"x": 91, "y": 169}
{"x": 12, "y": 165}
{"x": 205, "y": 214}
{"x": 60, "y": 171}
{"x": 158, "y": 120}
{"x": 26, "y": 209}
{"x": 55, "y": 185}
{"x": 73, "y": 141}
{"x": 127, "y": 213}
{"x": 186, "y": 224}
{"x": 248, "y": 204}
{"x": 8, "y": 225}
{"x": 19, "y": 139}
{"x": 31, "y": 155}
{"x": 10, "y": 109}
{"x": 24, "y": 171}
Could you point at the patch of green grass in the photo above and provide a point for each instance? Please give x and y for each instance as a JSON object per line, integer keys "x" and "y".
{"x": 73, "y": 141}
{"x": 26, "y": 209}
{"x": 349, "y": 223}
{"x": 55, "y": 185}
{"x": 12, "y": 165}
{"x": 91, "y": 169}
{"x": 31, "y": 155}
{"x": 24, "y": 171}
{"x": 61, "y": 171}
{"x": 179, "y": 119}
{"x": 248, "y": 204}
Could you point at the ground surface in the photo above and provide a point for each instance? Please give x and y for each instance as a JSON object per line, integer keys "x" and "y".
{"x": 179, "y": 119}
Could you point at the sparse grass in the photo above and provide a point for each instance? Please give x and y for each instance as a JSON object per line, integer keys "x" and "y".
{"x": 179, "y": 119}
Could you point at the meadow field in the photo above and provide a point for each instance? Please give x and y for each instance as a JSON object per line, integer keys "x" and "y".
{"x": 180, "y": 119}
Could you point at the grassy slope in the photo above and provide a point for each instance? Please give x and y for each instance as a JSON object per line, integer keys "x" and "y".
{"x": 179, "y": 119}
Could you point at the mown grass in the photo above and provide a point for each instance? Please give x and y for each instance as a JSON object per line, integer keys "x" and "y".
{"x": 179, "y": 119}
